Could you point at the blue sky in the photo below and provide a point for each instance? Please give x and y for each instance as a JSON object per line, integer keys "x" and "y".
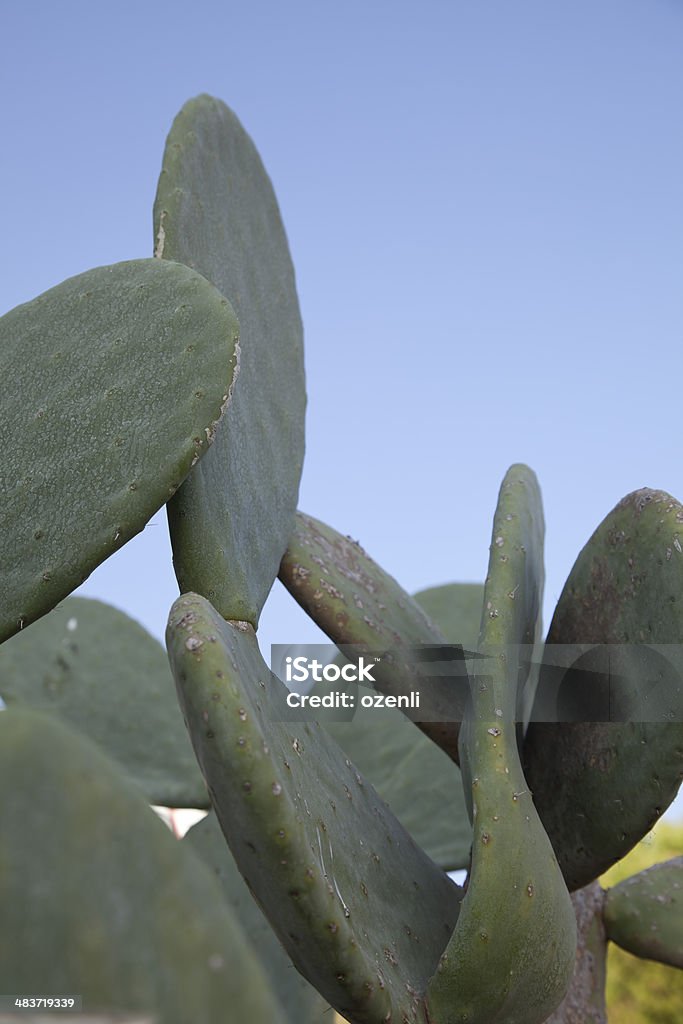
{"x": 483, "y": 202}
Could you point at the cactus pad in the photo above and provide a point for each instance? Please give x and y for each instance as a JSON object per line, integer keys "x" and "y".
{"x": 356, "y": 603}
{"x": 644, "y": 914}
{"x": 215, "y": 210}
{"x": 418, "y": 781}
{"x": 599, "y": 786}
{"x": 511, "y": 956}
{"x": 421, "y": 785}
{"x": 99, "y": 898}
{"x": 91, "y": 665}
{"x": 298, "y": 1000}
{"x": 118, "y": 378}
{"x": 318, "y": 848}
{"x": 455, "y": 608}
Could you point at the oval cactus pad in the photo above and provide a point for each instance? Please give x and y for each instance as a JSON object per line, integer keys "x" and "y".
{"x": 357, "y": 603}
{"x": 511, "y": 956}
{"x": 359, "y": 907}
{"x": 600, "y": 785}
{"x": 90, "y": 665}
{"x": 118, "y": 378}
{"x": 216, "y": 211}
{"x": 644, "y": 913}
{"x": 98, "y": 898}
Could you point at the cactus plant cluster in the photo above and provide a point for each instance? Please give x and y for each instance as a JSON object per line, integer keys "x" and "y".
{"x": 179, "y": 379}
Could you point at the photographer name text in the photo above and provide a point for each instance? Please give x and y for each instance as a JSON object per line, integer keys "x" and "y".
{"x": 341, "y": 699}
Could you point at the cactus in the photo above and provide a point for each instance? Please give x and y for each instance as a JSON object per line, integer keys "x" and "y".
{"x": 355, "y": 602}
{"x": 328, "y": 843}
{"x": 121, "y": 376}
{"x": 323, "y": 858}
{"x": 215, "y": 210}
{"x": 644, "y": 914}
{"x": 301, "y": 1003}
{"x": 69, "y": 664}
{"x": 615, "y": 778}
{"x": 515, "y": 882}
{"x": 97, "y": 898}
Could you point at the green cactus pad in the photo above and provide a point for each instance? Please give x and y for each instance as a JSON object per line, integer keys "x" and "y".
{"x": 644, "y": 914}
{"x": 319, "y": 849}
{"x": 100, "y": 671}
{"x": 599, "y": 786}
{"x": 356, "y": 603}
{"x": 512, "y": 953}
{"x": 420, "y": 783}
{"x": 215, "y": 210}
{"x": 455, "y": 608}
{"x": 416, "y": 779}
{"x": 299, "y": 1001}
{"x": 98, "y": 898}
{"x": 118, "y": 378}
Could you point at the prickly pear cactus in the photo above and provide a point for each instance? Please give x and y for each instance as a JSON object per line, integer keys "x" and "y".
{"x": 601, "y": 785}
{"x": 71, "y": 664}
{"x": 356, "y": 603}
{"x": 644, "y": 914}
{"x": 119, "y": 377}
{"x": 98, "y": 898}
{"x": 415, "y": 777}
{"x": 340, "y": 832}
{"x": 215, "y": 210}
{"x": 322, "y": 854}
{"x": 298, "y": 1000}
{"x": 516, "y": 898}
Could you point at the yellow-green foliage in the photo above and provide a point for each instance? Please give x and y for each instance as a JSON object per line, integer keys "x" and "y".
{"x": 641, "y": 991}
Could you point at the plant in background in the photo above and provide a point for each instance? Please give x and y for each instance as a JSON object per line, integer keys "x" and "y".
{"x": 643, "y": 991}
{"x": 133, "y": 386}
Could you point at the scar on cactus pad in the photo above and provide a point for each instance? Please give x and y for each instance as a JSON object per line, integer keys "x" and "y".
{"x": 343, "y": 831}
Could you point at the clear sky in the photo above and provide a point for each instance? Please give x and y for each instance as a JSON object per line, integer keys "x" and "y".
{"x": 483, "y": 202}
